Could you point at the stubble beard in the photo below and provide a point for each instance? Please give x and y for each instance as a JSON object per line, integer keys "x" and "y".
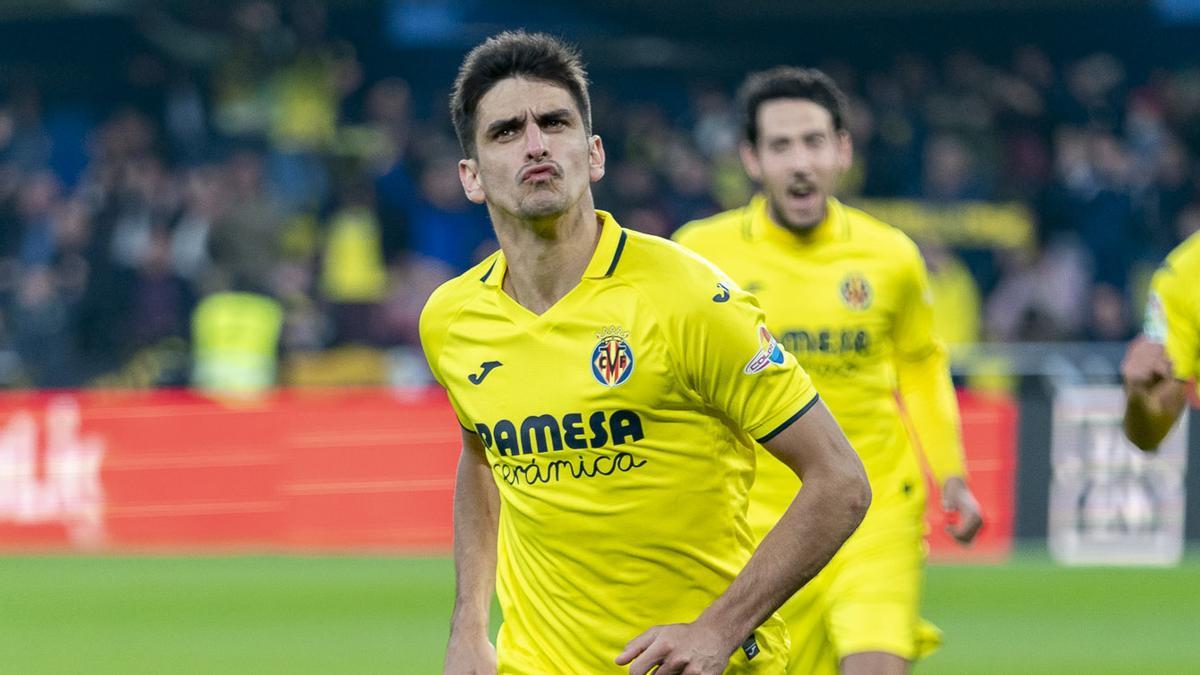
{"x": 778, "y": 215}
{"x": 538, "y": 206}
{"x": 544, "y": 208}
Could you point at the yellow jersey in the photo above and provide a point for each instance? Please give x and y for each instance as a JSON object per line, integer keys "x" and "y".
{"x": 849, "y": 299}
{"x": 620, "y": 426}
{"x": 1173, "y": 311}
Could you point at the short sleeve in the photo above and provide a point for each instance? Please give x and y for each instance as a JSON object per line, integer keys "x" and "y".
{"x": 734, "y": 363}
{"x": 433, "y": 327}
{"x": 1171, "y": 316}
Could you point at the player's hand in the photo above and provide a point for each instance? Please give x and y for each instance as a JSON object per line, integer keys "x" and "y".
{"x": 1146, "y": 365}
{"x": 470, "y": 656}
{"x": 958, "y": 499}
{"x": 678, "y": 648}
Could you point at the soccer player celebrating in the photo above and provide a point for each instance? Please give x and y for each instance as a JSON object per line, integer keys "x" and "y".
{"x": 848, "y": 296}
{"x": 610, "y": 386}
{"x": 1160, "y": 361}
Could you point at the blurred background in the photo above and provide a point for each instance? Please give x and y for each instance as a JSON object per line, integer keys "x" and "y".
{"x": 254, "y": 199}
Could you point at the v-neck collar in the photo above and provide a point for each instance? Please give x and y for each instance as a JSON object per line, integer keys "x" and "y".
{"x": 603, "y": 263}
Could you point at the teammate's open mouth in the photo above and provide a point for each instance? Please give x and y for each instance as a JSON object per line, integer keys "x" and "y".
{"x": 801, "y": 193}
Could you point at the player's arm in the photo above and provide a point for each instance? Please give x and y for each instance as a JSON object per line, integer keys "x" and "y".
{"x": 1154, "y": 399}
{"x": 932, "y": 408}
{"x": 476, "y": 519}
{"x": 824, "y": 513}
{"x": 820, "y": 518}
{"x": 923, "y": 379}
{"x": 1160, "y": 360}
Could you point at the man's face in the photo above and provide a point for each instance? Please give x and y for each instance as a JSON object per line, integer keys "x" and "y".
{"x": 534, "y": 159}
{"x": 798, "y": 159}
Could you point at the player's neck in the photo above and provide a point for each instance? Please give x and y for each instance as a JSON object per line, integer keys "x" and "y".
{"x": 546, "y": 260}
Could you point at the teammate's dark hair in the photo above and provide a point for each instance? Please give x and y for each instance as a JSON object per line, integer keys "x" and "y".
{"x": 789, "y": 82}
{"x": 537, "y": 56}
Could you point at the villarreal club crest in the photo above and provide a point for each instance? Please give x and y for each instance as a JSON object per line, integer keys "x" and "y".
{"x": 612, "y": 359}
{"x": 856, "y": 292}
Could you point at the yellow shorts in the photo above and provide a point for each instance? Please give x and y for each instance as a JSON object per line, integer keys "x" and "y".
{"x": 868, "y": 598}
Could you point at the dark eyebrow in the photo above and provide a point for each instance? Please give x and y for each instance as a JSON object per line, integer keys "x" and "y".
{"x": 504, "y": 124}
{"x": 560, "y": 115}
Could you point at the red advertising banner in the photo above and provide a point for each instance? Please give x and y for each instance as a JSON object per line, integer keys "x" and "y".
{"x": 989, "y": 428}
{"x": 299, "y": 470}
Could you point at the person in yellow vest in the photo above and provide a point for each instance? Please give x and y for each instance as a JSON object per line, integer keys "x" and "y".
{"x": 354, "y": 271}
{"x": 235, "y": 342}
{"x": 1161, "y": 361}
{"x": 353, "y": 278}
{"x": 849, "y": 296}
{"x": 957, "y": 306}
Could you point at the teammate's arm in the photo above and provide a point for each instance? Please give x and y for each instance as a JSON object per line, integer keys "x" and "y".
{"x": 923, "y": 377}
{"x": 1158, "y": 362}
{"x": 476, "y": 519}
{"x": 931, "y": 406}
{"x": 1154, "y": 398}
{"x": 823, "y": 514}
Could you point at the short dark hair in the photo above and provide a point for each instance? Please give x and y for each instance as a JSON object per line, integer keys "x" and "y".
{"x": 789, "y": 82}
{"x": 537, "y": 56}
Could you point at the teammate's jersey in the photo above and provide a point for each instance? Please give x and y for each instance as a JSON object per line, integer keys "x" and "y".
{"x": 1173, "y": 312}
{"x": 619, "y": 425}
{"x": 847, "y": 300}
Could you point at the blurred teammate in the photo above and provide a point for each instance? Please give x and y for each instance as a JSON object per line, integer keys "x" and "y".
{"x": 848, "y": 296}
{"x": 609, "y": 385}
{"x": 1160, "y": 361}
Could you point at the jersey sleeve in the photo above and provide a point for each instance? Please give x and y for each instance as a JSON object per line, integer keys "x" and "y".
{"x": 1171, "y": 317}
{"x": 913, "y": 328}
{"x": 923, "y": 374}
{"x": 433, "y": 326}
{"x": 735, "y": 365}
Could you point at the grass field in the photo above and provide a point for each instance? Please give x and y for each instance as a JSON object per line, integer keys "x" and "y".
{"x": 388, "y": 615}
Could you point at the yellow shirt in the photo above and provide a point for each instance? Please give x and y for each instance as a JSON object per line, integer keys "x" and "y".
{"x": 353, "y": 270}
{"x": 235, "y": 340}
{"x": 956, "y": 302}
{"x": 850, "y": 300}
{"x": 1173, "y": 312}
{"x": 620, "y": 426}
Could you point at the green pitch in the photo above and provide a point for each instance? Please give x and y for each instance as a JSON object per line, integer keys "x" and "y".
{"x": 389, "y": 615}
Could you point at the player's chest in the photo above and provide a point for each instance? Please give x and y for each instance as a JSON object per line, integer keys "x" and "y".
{"x": 576, "y": 368}
{"x": 836, "y": 292}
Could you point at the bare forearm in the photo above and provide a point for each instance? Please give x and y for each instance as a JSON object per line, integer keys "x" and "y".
{"x": 476, "y": 518}
{"x": 823, "y": 514}
{"x": 1151, "y": 412}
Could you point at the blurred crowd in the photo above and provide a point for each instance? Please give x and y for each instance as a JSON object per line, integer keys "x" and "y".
{"x": 259, "y": 160}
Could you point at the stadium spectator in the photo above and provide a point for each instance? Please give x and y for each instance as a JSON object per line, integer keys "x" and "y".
{"x": 246, "y": 241}
{"x": 42, "y": 317}
{"x": 234, "y": 128}
{"x": 236, "y": 342}
{"x": 443, "y": 224}
{"x": 353, "y": 276}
